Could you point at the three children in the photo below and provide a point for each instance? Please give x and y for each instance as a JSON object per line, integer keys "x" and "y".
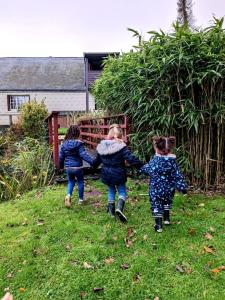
{"x": 113, "y": 153}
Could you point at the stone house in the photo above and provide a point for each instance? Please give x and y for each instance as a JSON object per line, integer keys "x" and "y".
{"x": 62, "y": 82}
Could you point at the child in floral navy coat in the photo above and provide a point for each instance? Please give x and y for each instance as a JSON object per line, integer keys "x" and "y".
{"x": 165, "y": 178}
{"x": 72, "y": 154}
{"x": 112, "y": 153}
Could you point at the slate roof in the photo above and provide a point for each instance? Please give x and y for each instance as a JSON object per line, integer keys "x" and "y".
{"x": 42, "y": 74}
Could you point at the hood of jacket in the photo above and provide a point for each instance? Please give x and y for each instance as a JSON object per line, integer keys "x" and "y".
{"x": 107, "y": 147}
{"x": 163, "y": 164}
{"x": 72, "y": 144}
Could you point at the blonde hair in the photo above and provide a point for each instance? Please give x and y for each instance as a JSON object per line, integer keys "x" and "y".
{"x": 115, "y": 132}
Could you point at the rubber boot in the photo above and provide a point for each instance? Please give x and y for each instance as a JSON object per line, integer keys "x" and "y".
{"x": 119, "y": 210}
{"x": 111, "y": 209}
{"x": 158, "y": 224}
{"x": 166, "y": 217}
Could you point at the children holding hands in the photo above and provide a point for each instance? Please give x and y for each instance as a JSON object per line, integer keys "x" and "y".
{"x": 113, "y": 154}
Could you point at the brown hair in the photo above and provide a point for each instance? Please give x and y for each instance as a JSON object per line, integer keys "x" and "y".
{"x": 72, "y": 133}
{"x": 164, "y": 144}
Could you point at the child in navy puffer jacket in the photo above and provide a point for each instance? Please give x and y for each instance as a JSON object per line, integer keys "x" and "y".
{"x": 165, "y": 178}
{"x": 113, "y": 153}
{"x": 72, "y": 154}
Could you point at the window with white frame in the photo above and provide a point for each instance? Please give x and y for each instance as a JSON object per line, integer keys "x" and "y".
{"x": 15, "y": 101}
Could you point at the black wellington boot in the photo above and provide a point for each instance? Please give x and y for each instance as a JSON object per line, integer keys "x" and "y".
{"x": 166, "y": 217}
{"x": 119, "y": 210}
{"x": 111, "y": 209}
{"x": 158, "y": 224}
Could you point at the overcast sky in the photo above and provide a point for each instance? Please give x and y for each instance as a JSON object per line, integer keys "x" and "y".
{"x": 71, "y": 27}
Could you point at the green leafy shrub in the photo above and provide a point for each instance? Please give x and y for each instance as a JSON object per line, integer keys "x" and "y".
{"x": 30, "y": 167}
{"x": 173, "y": 84}
{"x": 33, "y": 115}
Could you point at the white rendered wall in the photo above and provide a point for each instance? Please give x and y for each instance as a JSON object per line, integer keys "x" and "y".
{"x": 55, "y": 101}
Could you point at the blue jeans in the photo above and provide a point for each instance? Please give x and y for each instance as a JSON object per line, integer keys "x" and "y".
{"x": 121, "y": 188}
{"x": 74, "y": 175}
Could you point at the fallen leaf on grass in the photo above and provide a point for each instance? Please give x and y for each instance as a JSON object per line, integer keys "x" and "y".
{"x": 184, "y": 268}
{"x": 145, "y": 237}
{"x": 216, "y": 270}
{"x": 87, "y": 266}
{"x": 124, "y": 266}
{"x": 177, "y": 222}
{"x": 68, "y": 247}
{"x": 38, "y": 195}
{"x": 98, "y": 289}
{"x": 36, "y": 252}
{"x": 97, "y": 204}
{"x": 137, "y": 278}
{"x": 24, "y": 223}
{"x": 128, "y": 243}
{"x": 82, "y": 294}
{"x": 192, "y": 231}
{"x": 107, "y": 226}
{"x": 208, "y": 236}
{"x": 207, "y": 266}
{"x": 11, "y": 224}
{"x": 209, "y": 249}
{"x": 219, "y": 269}
{"x": 154, "y": 246}
{"x": 180, "y": 269}
{"x": 133, "y": 203}
{"x": 9, "y": 275}
{"x": 201, "y": 205}
{"x": 22, "y": 290}
{"x": 109, "y": 260}
{"x": 130, "y": 232}
{"x": 161, "y": 258}
{"x": 40, "y": 222}
{"x": 74, "y": 262}
{"x": 211, "y": 229}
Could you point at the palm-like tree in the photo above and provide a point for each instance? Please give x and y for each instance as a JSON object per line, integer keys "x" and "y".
{"x": 184, "y": 13}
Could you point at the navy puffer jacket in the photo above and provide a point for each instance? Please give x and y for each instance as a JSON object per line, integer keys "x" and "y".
{"x": 72, "y": 154}
{"x": 113, "y": 154}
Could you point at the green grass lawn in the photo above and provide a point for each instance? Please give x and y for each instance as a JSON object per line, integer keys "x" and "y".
{"x": 49, "y": 252}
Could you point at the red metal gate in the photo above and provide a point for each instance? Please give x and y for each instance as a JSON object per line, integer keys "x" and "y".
{"x": 92, "y": 131}
{"x": 95, "y": 129}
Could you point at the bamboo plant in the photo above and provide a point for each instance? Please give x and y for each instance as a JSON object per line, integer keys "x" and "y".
{"x": 173, "y": 83}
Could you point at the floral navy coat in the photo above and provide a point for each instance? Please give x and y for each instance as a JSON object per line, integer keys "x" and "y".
{"x": 165, "y": 178}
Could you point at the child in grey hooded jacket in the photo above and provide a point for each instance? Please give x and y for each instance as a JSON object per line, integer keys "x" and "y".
{"x": 112, "y": 153}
